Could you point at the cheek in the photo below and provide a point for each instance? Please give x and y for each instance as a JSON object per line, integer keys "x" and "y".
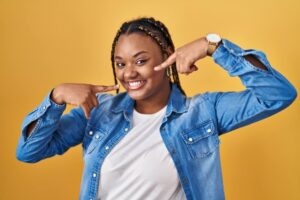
{"x": 149, "y": 73}
{"x": 119, "y": 74}
{"x": 156, "y": 76}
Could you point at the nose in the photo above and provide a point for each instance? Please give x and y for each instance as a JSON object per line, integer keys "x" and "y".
{"x": 130, "y": 72}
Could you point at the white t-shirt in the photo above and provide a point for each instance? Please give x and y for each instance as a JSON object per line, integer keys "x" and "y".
{"x": 139, "y": 167}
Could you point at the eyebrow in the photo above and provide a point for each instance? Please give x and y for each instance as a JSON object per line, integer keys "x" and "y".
{"x": 135, "y": 55}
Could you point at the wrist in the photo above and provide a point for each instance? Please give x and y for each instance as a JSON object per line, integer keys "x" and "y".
{"x": 214, "y": 41}
{"x": 56, "y": 96}
{"x": 203, "y": 43}
{"x": 206, "y": 44}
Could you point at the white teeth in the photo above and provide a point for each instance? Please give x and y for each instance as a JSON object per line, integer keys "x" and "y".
{"x": 135, "y": 84}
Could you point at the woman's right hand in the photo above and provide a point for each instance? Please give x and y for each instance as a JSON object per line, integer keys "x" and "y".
{"x": 80, "y": 94}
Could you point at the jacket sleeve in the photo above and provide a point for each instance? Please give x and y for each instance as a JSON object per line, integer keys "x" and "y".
{"x": 53, "y": 133}
{"x": 266, "y": 91}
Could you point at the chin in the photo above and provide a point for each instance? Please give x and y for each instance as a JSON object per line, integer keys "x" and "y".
{"x": 136, "y": 95}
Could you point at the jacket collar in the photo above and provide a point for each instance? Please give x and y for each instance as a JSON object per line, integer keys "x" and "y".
{"x": 177, "y": 102}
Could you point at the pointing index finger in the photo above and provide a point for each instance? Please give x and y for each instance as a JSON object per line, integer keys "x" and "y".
{"x": 102, "y": 88}
{"x": 167, "y": 63}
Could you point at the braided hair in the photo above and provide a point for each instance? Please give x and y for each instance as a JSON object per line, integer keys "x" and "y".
{"x": 156, "y": 30}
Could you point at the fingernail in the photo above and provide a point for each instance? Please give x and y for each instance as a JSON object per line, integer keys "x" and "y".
{"x": 156, "y": 68}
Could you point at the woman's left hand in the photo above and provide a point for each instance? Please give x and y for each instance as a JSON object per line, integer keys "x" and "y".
{"x": 186, "y": 56}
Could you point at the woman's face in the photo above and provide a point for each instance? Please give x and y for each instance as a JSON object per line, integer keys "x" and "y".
{"x": 135, "y": 57}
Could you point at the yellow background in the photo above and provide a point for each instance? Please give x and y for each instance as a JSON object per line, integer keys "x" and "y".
{"x": 47, "y": 42}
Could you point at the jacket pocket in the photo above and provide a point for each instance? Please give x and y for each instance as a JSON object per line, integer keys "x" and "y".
{"x": 201, "y": 140}
{"x": 92, "y": 139}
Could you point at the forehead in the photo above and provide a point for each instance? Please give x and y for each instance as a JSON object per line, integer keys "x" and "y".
{"x": 129, "y": 45}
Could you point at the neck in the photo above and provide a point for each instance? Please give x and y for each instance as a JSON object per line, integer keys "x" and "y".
{"x": 153, "y": 105}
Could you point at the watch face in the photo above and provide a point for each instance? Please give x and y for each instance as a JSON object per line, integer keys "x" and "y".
{"x": 212, "y": 37}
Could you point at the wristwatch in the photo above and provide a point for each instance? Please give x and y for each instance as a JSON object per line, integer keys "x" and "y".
{"x": 213, "y": 42}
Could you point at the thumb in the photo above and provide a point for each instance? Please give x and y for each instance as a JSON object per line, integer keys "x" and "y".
{"x": 194, "y": 68}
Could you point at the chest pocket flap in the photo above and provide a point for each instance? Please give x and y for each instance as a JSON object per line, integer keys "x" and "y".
{"x": 201, "y": 140}
{"x": 92, "y": 138}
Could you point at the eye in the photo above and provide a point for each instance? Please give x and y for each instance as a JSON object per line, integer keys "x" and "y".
{"x": 141, "y": 62}
{"x": 120, "y": 65}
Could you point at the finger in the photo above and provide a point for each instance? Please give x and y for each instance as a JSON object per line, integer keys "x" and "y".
{"x": 86, "y": 110}
{"x": 170, "y": 60}
{"x": 102, "y": 88}
{"x": 194, "y": 68}
{"x": 90, "y": 104}
{"x": 187, "y": 68}
{"x": 179, "y": 65}
{"x": 95, "y": 101}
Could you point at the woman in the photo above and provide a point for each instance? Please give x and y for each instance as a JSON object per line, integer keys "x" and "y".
{"x": 153, "y": 142}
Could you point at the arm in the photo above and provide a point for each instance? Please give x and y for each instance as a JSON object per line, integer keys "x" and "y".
{"x": 267, "y": 91}
{"x": 45, "y": 132}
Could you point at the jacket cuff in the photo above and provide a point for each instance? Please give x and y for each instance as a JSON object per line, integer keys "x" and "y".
{"x": 230, "y": 56}
{"x": 49, "y": 108}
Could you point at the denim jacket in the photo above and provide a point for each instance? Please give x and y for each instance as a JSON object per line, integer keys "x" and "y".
{"x": 190, "y": 128}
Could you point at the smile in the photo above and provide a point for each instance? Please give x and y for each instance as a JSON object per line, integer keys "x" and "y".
{"x": 135, "y": 85}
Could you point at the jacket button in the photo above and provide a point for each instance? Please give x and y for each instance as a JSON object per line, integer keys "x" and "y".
{"x": 97, "y": 136}
{"x": 44, "y": 107}
{"x": 126, "y": 129}
{"x": 190, "y": 139}
{"x": 94, "y": 175}
{"x": 208, "y": 130}
{"x": 91, "y": 133}
{"x": 107, "y": 147}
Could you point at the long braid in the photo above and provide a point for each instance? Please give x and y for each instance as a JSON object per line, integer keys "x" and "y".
{"x": 159, "y": 32}
{"x": 163, "y": 29}
{"x": 173, "y": 68}
{"x": 112, "y": 58}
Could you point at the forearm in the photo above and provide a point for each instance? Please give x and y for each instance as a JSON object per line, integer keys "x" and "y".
{"x": 255, "y": 72}
{"x": 267, "y": 91}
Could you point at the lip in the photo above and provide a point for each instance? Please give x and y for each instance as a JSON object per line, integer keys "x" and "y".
{"x": 135, "y": 84}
